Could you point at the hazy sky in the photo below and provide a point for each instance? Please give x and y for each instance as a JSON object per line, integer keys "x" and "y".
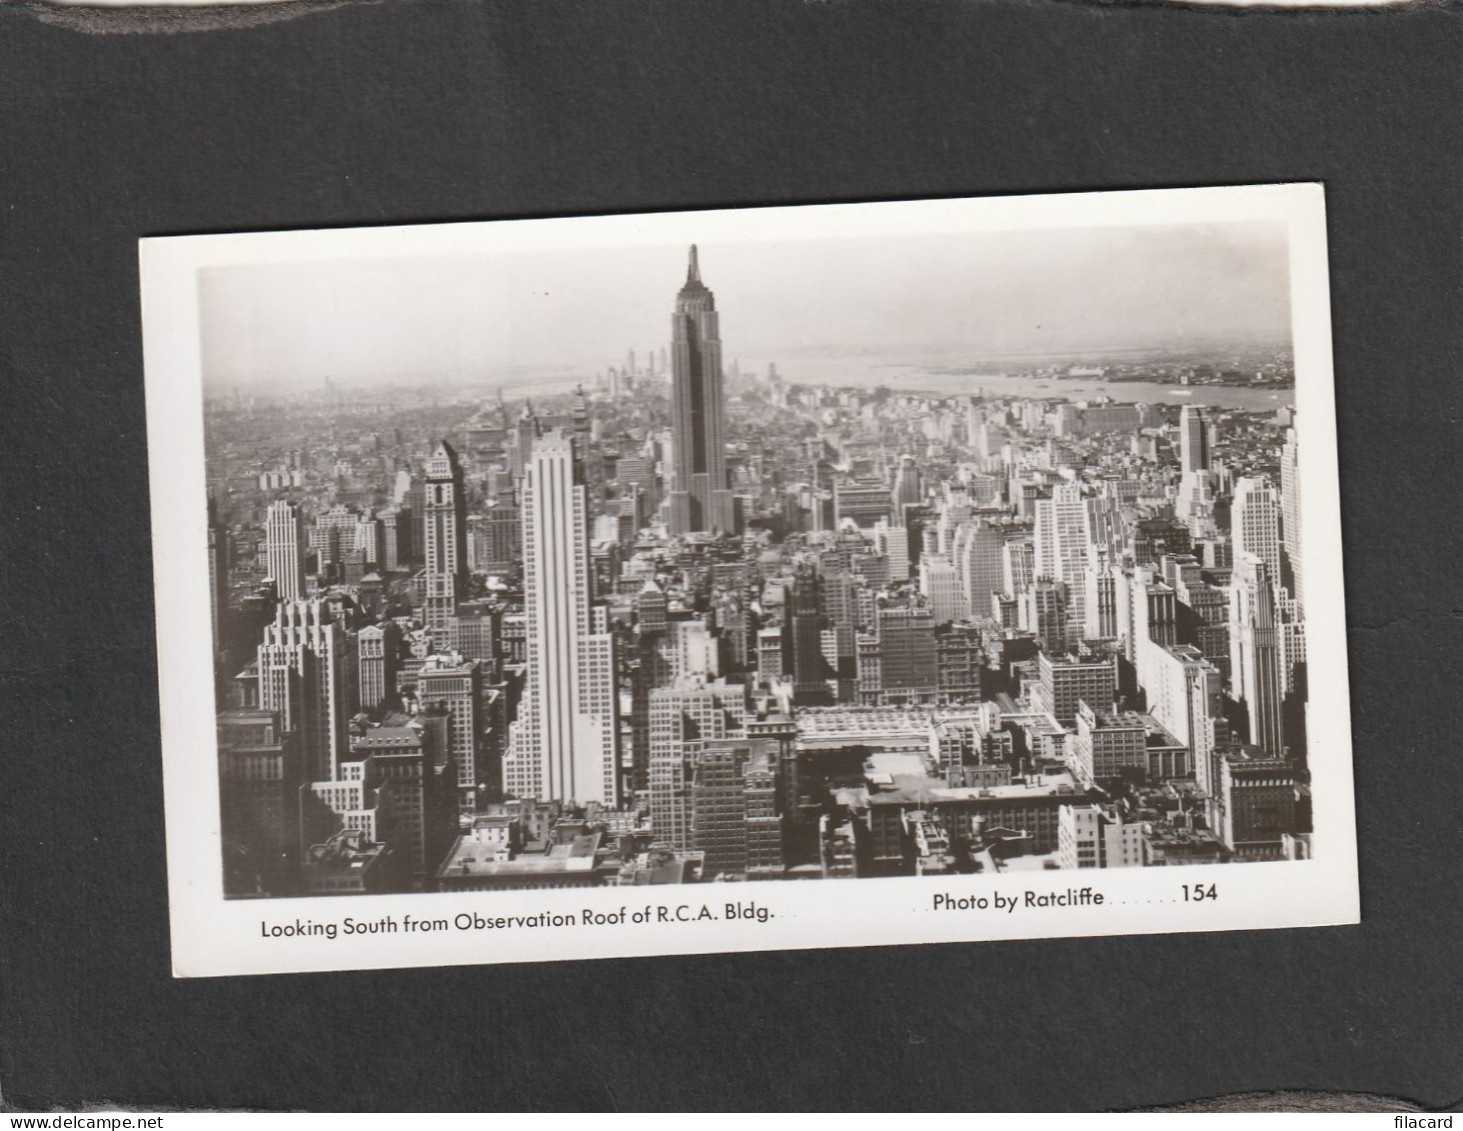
{"x": 476, "y": 318}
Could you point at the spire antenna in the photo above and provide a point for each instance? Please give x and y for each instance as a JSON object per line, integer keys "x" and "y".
{"x": 693, "y": 269}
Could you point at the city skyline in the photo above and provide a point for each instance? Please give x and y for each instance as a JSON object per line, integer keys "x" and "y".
{"x": 458, "y": 319}
{"x": 1090, "y": 601}
{"x": 688, "y": 621}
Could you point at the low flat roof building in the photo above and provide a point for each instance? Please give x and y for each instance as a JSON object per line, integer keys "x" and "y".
{"x": 478, "y": 864}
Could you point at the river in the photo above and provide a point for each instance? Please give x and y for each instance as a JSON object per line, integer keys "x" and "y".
{"x": 924, "y": 374}
{"x": 869, "y": 372}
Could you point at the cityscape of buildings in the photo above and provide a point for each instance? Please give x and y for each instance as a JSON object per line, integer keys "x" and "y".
{"x": 695, "y": 623}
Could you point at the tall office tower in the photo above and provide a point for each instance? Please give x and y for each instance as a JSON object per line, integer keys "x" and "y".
{"x": 1102, "y": 596}
{"x": 978, "y": 563}
{"x": 415, "y": 505}
{"x": 1018, "y": 567}
{"x": 305, "y": 675}
{"x": 1193, "y": 439}
{"x": 1062, "y": 536}
{"x": 805, "y": 618}
{"x": 521, "y": 438}
{"x": 259, "y": 803}
{"x": 566, "y": 739}
{"x": 1195, "y": 502}
{"x": 1255, "y": 519}
{"x": 954, "y": 513}
{"x": 840, "y": 601}
{"x": 477, "y": 543}
{"x": 1067, "y": 681}
{"x": 771, "y": 663}
{"x": 686, "y": 648}
{"x": 1254, "y": 651}
{"x": 1043, "y": 610}
{"x": 939, "y": 581}
{"x": 1291, "y": 635}
{"x": 958, "y": 660}
{"x": 733, "y": 807}
{"x": 368, "y": 540}
{"x": 449, "y": 681}
{"x": 1258, "y": 803}
{"x": 478, "y": 635}
{"x": 893, "y": 542}
{"x": 376, "y": 652}
{"x": 682, "y": 715}
{"x": 975, "y": 429}
{"x": 1203, "y": 613}
{"x": 1184, "y": 695}
{"x": 446, "y": 541}
{"x": 908, "y": 488}
{"x": 416, "y": 795}
{"x": 700, "y": 499}
{"x": 909, "y": 668}
{"x": 218, "y": 574}
{"x": 396, "y": 525}
{"x": 333, "y": 535}
{"x": 401, "y": 487}
{"x": 735, "y": 637}
{"x": 1154, "y": 610}
{"x": 650, "y": 607}
{"x": 503, "y": 530}
{"x": 1290, "y": 511}
{"x": 284, "y": 549}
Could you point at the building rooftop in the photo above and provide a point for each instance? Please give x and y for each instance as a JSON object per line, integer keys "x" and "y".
{"x": 820, "y": 721}
{"x": 891, "y": 764}
{"x": 387, "y": 737}
{"x": 923, "y": 790}
{"x": 469, "y": 858}
{"x": 1032, "y": 863}
{"x": 245, "y": 715}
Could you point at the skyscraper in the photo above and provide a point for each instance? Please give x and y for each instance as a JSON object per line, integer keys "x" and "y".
{"x": 1102, "y": 596}
{"x": 732, "y": 798}
{"x": 908, "y": 487}
{"x": 908, "y": 668}
{"x": 284, "y": 549}
{"x": 1195, "y": 502}
{"x": 304, "y": 674}
{"x": 450, "y": 681}
{"x": 566, "y": 738}
{"x": 1068, "y": 681}
{"x": 1290, "y": 511}
{"x": 1193, "y": 439}
{"x": 1256, "y": 524}
{"x": 680, "y": 715}
{"x": 446, "y": 542}
{"x": 218, "y": 574}
{"x": 376, "y": 648}
{"x": 810, "y": 668}
{"x": 1183, "y": 690}
{"x": 1254, "y": 650}
{"x": 978, "y": 562}
{"x": 939, "y": 581}
{"x": 1061, "y": 538}
{"x": 700, "y": 499}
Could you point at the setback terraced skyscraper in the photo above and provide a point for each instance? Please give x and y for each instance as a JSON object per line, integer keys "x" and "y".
{"x": 699, "y": 498}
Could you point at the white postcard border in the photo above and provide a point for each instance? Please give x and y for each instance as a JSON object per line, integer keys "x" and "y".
{"x": 212, "y": 936}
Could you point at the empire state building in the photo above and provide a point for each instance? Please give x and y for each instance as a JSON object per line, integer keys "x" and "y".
{"x": 699, "y": 497}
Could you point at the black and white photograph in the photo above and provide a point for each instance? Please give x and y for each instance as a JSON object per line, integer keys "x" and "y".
{"x": 771, "y": 578}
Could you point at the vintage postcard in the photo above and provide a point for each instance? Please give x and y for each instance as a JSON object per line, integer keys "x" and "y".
{"x": 840, "y": 575}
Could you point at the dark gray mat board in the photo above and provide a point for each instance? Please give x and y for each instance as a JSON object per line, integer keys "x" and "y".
{"x": 464, "y": 109}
